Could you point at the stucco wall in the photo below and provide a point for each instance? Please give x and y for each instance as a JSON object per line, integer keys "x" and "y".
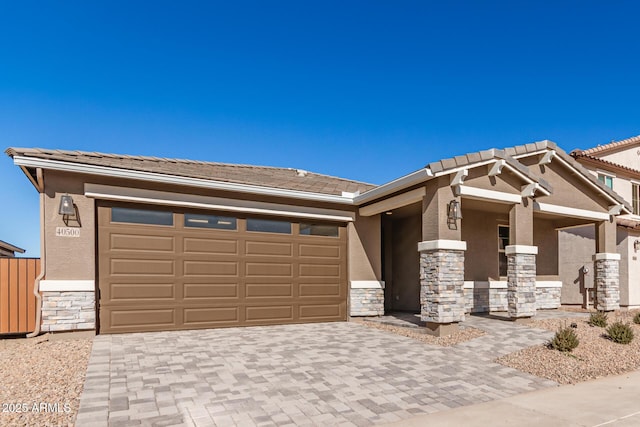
{"x": 625, "y": 263}
{"x": 365, "y": 248}
{"x": 68, "y": 258}
{"x": 506, "y": 181}
{"x": 632, "y": 290}
{"x": 576, "y": 249}
{"x": 480, "y": 231}
{"x": 545, "y": 238}
{"x": 629, "y": 157}
{"x": 621, "y": 183}
{"x": 568, "y": 189}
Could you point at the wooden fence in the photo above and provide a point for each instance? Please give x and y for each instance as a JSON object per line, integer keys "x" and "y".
{"x": 17, "y": 302}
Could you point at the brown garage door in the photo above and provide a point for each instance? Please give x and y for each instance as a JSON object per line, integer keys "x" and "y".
{"x": 167, "y": 270}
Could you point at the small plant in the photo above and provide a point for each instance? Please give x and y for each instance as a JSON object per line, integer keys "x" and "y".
{"x": 599, "y": 318}
{"x": 636, "y": 318}
{"x": 564, "y": 340}
{"x": 620, "y": 332}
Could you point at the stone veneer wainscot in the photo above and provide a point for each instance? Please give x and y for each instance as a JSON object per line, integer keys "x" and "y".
{"x": 67, "y": 305}
{"x": 366, "y": 298}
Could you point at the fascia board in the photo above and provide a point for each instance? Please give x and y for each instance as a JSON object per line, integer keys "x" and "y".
{"x": 163, "y": 198}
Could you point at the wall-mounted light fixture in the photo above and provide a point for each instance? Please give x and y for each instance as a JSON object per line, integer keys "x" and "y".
{"x": 69, "y": 211}
{"x": 454, "y": 212}
{"x": 636, "y": 245}
{"x": 66, "y": 205}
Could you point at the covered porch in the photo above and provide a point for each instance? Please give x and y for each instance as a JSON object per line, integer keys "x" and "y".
{"x": 481, "y": 235}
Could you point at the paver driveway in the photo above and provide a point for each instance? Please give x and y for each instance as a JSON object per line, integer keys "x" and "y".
{"x": 312, "y": 374}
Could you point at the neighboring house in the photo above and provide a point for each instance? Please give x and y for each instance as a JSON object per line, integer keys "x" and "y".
{"x": 176, "y": 244}
{"x": 617, "y": 165}
{"x": 8, "y": 250}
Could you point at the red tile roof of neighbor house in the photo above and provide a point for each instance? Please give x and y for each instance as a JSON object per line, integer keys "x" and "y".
{"x": 265, "y": 176}
{"x": 613, "y": 145}
{"x": 592, "y": 154}
{"x": 606, "y": 163}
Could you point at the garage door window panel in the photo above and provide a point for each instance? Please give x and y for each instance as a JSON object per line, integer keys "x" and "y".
{"x": 141, "y": 216}
{"x": 210, "y": 221}
{"x": 268, "y": 226}
{"x": 325, "y": 230}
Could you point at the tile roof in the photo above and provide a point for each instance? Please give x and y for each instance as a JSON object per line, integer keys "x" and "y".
{"x": 613, "y": 145}
{"x": 604, "y": 162}
{"x": 274, "y": 177}
{"x": 509, "y": 153}
{"x": 505, "y": 154}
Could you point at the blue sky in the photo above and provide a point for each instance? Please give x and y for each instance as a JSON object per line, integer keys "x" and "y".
{"x": 368, "y": 90}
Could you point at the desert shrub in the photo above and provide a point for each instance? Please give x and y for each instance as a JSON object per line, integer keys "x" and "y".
{"x": 598, "y": 318}
{"x": 620, "y": 332}
{"x": 636, "y": 318}
{"x": 564, "y": 340}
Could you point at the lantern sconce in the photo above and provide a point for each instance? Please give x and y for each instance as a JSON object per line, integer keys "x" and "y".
{"x": 67, "y": 209}
{"x": 636, "y": 245}
{"x": 454, "y": 213}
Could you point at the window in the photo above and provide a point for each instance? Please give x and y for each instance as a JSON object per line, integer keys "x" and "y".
{"x": 141, "y": 216}
{"x": 268, "y": 226}
{"x": 318, "y": 230}
{"x": 210, "y": 221}
{"x": 606, "y": 180}
{"x": 635, "y": 198}
{"x": 503, "y": 241}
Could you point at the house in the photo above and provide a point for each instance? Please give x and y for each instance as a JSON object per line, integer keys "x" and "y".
{"x": 138, "y": 243}
{"x": 617, "y": 165}
{"x": 9, "y": 250}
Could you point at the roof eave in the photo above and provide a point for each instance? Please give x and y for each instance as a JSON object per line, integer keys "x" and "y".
{"x": 25, "y": 161}
{"x": 10, "y": 247}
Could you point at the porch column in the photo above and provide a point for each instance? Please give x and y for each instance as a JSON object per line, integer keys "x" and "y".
{"x": 521, "y": 262}
{"x": 607, "y": 267}
{"x": 441, "y": 261}
{"x": 441, "y": 284}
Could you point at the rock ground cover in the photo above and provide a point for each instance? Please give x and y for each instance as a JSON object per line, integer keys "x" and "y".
{"x": 464, "y": 334}
{"x": 41, "y": 380}
{"x": 596, "y": 356}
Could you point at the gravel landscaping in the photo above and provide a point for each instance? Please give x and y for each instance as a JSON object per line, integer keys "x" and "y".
{"x": 42, "y": 380}
{"x": 464, "y": 334}
{"x": 596, "y": 356}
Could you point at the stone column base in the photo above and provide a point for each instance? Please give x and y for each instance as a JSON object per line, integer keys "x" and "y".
{"x": 441, "y": 281}
{"x": 521, "y": 280}
{"x": 607, "y": 281}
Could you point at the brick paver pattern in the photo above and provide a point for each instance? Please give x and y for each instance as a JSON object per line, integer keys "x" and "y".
{"x": 312, "y": 374}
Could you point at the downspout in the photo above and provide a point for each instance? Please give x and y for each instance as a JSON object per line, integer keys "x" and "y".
{"x": 36, "y": 284}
